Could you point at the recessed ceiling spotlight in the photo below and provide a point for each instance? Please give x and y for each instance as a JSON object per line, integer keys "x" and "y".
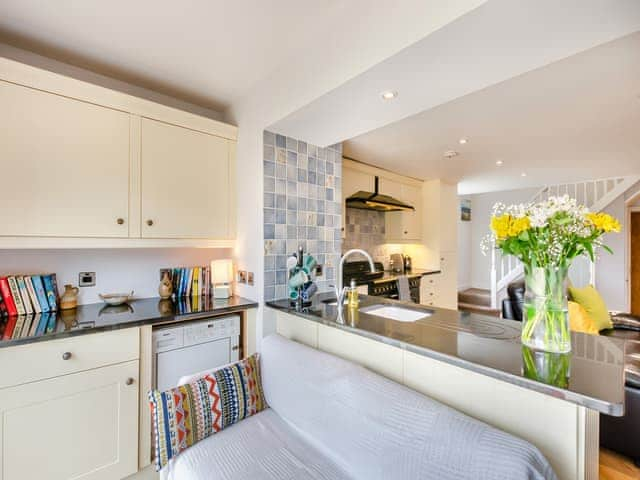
{"x": 499, "y": 163}
{"x": 523, "y": 174}
{"x": 389, "y": 95}
{"x": 462, "y": 141}
{"x": 450, "y": 154}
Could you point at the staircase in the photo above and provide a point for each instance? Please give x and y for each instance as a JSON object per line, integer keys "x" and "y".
{"x": 476, "y": 300}
{"x": 595, "y": 194}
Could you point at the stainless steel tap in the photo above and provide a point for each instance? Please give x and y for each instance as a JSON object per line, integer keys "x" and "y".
{"x": 340, "y": 288}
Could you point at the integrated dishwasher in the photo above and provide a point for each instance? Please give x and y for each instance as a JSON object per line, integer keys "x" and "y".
{"x": 192, "y": 347}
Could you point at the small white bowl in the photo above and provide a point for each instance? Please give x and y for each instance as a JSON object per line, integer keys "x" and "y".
{"x": 116, "y": 298}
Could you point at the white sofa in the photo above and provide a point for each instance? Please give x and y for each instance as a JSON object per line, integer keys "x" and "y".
{"x": 332, "y": 419}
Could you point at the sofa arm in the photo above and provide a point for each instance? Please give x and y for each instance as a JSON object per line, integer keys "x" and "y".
{"x": 625, "y": 321}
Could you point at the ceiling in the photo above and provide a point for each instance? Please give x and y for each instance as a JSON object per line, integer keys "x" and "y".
{"x": 575, "y": 119}
{"x": 214, "y": 53}
{"x": 490, "y": 44}
{"x": 208, "y": 52}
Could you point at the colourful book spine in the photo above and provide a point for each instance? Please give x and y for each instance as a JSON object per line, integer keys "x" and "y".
{"x": 50, "y": 292}
{"x": 183, "y": 282}
{"x": 11, "y": 325}
{"x": 15, "y": 293}
{"x": 24, "y": 295}
{"x": 17, "y": 330}
{"x": 40, "y": 293}
{"x": 195, "y": 284}
{"x": 42, "y": 325}
{"x": 27, "y": 326}
{"x": 32, "y": 295}
{"x": 189, "y": 281}
{"x": 34, "y": 324}
{"x": 51, "y": 325}
{"x": 5, "y": 291}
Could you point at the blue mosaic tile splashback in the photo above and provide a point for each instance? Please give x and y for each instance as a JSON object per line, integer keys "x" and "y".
{"x": 302, "y": 206}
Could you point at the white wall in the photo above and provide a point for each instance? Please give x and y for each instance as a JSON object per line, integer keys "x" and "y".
{"x": 117, "y": 270}
{"x": 481, "y": 208}
{"x": 611, "y": 270}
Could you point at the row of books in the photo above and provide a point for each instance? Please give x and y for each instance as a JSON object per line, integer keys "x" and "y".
{"x": 191, "y": 281}
{"x": 28, "y": 294}
{"x": 21, "y": 326}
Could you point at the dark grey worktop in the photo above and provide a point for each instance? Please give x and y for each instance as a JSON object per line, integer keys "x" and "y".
{"x": 413, "y": 273}
{"x": 97, "y": 317}
{"x": 591, "y": 375}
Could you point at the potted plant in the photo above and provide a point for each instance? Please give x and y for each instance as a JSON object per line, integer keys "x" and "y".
{"x": 546, "y": 237}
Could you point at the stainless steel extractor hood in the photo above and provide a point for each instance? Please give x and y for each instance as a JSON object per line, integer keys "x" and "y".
{"x": 376, "y": 201}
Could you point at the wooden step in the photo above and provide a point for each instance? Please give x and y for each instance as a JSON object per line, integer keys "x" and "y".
{"x": 475, "y": 296}
{"x": 481, "y": 309}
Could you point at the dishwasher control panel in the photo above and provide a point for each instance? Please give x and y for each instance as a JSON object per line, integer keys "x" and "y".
{"x": 202, "y": 331}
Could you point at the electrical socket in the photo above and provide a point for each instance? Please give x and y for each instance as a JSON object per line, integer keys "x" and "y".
{"x": 242, "y": 276}
{"x": 318, "y": 270}
{"x": 250, "y": 278}
{"x": 87, "y": 279}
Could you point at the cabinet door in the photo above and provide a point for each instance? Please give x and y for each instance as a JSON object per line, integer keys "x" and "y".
{"x": 82, "y": 426}
{"x": 411, "y": 220}
{"x": 405, "y": 225}
{"x": 186, "y": 183}
{"x": 65, "y": 166}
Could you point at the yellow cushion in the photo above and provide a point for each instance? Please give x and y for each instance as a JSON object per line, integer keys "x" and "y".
{"x": 594, "y": 305}
{"x": 580, "y": 321}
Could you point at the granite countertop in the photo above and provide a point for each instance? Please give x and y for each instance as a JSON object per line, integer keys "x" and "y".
{"x": 413, "y": 273}
{"x": 97, "y": 317}
{"x": 591, "y": 375}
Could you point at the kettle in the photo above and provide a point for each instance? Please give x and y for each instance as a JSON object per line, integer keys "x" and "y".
{"x": 407, "y": 263}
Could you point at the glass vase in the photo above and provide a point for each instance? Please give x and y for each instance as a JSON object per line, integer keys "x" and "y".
{"x": 546, "y": 323}
{"x": 546, "y": 367}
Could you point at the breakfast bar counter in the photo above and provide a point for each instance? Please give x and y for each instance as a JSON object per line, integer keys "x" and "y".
{"x": 476, "y": 364}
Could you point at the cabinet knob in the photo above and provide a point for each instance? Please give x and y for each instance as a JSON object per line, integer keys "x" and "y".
{"x": 129, "y": 381}
{"x": 405, "y": 232}
{"x": 150, "y": 222}
{"x": 66, "y": 355}
{"x": 120, "y": 221}
{"x": 235, "y": 347}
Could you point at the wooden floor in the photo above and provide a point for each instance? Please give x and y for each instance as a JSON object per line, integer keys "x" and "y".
{"x": 617, "y": 467}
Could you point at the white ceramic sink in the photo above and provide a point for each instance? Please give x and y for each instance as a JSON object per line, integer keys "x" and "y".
{"x": 393, "y": 312}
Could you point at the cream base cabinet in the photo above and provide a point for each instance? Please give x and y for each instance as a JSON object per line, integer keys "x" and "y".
{"x": 82, "y": 426}
{"x": 186, "y": 183}
{"x": 65, "y": 165}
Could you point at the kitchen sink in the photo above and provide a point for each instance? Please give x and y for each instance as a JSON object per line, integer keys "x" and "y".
{"x": 393, "y": 312}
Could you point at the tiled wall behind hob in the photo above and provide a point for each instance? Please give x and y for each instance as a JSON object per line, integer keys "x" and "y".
{"x": 365, "y": 229}
{"x": 302, "y": 206}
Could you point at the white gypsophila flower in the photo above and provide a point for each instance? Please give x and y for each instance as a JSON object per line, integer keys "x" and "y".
{"x": 498, "y": 208}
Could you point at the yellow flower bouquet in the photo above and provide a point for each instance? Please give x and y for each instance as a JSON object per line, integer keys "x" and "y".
{"x": 546, "y": 237}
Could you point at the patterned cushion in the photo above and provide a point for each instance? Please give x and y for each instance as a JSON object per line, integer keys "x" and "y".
{"x": 184, "y": 415}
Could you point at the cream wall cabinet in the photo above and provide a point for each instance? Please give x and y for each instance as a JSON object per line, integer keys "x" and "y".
{"x": 405, "y": 225}
{"x": 65, "y": 166}
{"x": 186, "y": 183}
{"x": 86, "y": 166}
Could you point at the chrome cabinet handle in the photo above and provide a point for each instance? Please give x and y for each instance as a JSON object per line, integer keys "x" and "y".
{"x": 129, "y": 381}
{"x": 150, "y": 222}
{"x": 120, "y": 221}
{"x": 66, "y": 355}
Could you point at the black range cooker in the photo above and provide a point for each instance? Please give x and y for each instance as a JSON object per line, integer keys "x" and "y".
{"x": 379, "y": 283}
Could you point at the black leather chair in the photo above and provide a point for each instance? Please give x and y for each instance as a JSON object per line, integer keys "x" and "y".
{"x": 512, "y": 305}
{"x": 620, "y": 434}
